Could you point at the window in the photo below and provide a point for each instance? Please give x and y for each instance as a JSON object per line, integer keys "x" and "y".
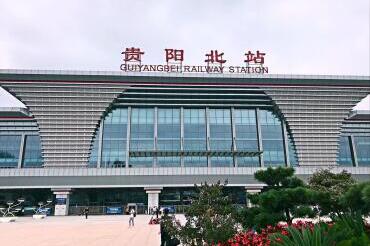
{"x": 114, "y": 138}
{"x": 9, "y": 150}
{"x": 344, "y": 155}
{"x": 362, "y": 144}
{"x": 168, "y": 135}
{"x": 246, "y": 136}
{"x": 220, "y": 136}
{"x": 195, "y": 136}
{"x": 32, "y": 152}
{"x": 93, "y": 160}
{"x": 142, "y": 135}
{"x": 272, "y": 139}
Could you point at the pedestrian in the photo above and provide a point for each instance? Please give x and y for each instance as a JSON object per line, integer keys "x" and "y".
{"x": 131, "y": 221}
{"x": 86, "y": 212}
{"x": 157, "y": 212}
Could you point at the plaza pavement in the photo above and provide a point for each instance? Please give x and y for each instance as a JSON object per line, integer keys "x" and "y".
{"x": 104, "y": 230}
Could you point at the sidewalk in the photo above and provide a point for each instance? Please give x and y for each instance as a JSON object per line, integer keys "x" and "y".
{"x": 104, "y": 230}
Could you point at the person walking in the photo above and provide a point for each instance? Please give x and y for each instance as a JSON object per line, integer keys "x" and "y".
{"x": 86, "y": 212}
{"x": 131, "y": 221}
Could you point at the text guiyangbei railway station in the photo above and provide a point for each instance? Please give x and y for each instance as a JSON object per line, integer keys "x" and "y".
{"x": 105, "y": 138}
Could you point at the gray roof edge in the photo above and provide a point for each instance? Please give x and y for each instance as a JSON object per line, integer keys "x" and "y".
{"x": 180, "y": 75}
{"x": 359, "y": 112}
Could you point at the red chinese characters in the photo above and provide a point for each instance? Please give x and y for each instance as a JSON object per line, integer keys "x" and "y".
{"x": 132, "y": 54}
{"x": 174, "y": 55}
{"x": 255, "y": 58}
{"x": 214, "y": 57}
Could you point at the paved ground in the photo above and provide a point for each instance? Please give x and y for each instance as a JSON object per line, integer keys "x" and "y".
{"x": 75, "y": 230}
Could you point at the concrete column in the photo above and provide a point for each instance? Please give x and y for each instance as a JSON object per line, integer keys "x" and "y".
{"x": 252, "y": 190}
{"x": 100, "y": 149}
{"x": 286, "y": 145}
{"x": 153, "y": 196}
{"x": 259, "y": 135}
{"x": 21, "y": 151}
{"x": 353, "y": 150}
{"x": 61, "y": 201}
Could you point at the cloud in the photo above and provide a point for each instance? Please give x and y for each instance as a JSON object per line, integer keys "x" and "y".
{"x": 299, "y": 37}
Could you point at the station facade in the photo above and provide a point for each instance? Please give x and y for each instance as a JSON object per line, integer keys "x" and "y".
{"x": 99, "y": 138}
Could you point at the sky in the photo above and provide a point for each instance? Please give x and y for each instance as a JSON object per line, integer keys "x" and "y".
{"x": 298, "y": 36}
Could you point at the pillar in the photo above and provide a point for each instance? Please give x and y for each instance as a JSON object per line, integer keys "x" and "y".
{"x": 153, "y": 196}
{"x": 252, "y": 190}
{"x": 61, "y": 201}
{"x": 21, "y": 151}
{"x": 259, "y": 136}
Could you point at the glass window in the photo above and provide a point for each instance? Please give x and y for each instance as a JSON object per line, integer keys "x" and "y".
{"x": 169, "y": 129}
{"x": 248, "y": 161}
{"x": 141, "y": 162}
{"x": 272, "y": 139}
{"x": 9, "y": 150}
{"x": 32, "y": 152}
{"x": 142, "y": 135}
{"x": 362, "y": 144}
{"x": 195, "y": 130}
{"x": 344, "y": 155}
{"x": 168, "y": 161}
{"x": 195, "y": 136}
{"x": 221, "y": 161}
{"x": 293, "y": 158}
{"x": 246, "y": 136}
{"x": 114, "y": 138}
{"x": 93, "y": 160}
{"x": 195, "y": 161}
{"x": 220, "y": 129}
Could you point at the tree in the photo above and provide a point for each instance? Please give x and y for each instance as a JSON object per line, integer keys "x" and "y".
{"x": 331, "y": 187}
{"x": 209, "y": 219}
{"x": 357, "y": 199}
{"x": 284, "y": 198}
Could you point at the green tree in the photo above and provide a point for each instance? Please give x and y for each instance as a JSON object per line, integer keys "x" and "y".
{"x": 284, "y": 198}
{"x": 357, "y": 199}
{"x": 209, "y": 219}
{"x": 331, "y": 187}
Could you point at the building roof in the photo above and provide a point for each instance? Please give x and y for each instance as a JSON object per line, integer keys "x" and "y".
{"x": 360, "y": 115}
{"x": 14, "y": 112}
{"x": 165, "y": 77}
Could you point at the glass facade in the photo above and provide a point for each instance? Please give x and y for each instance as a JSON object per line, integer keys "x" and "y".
{"x": 246, "y": 136}
{"x": 168, "y": 136}
{"x": 32, "y": 152}
{"x": 93, "y": 160}
{"x": 193, "y": 137}
{"x": 293, "y": 158}
{"x": 362, "y": 144}
{"x": 344, "y": 155}
{"x": 114, "y": 139}
{"x": 9, "y": 150}
{"x": 142, "y": 136}
{"x": 220, "y": 137}
{"x": 272, "y": 138}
